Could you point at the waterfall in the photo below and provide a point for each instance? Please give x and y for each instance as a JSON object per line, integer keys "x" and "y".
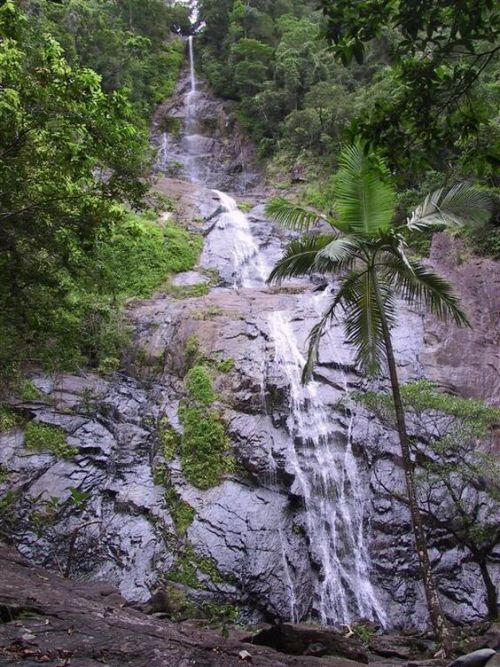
{"x": 319, "y": 453}
{"x": 249, "y": 269}
{"x": 328, "y": 479}
{"x": 191, "y": 64}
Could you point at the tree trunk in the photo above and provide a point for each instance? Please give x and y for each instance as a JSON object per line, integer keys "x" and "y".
{"x": 438, "y": 620}
{"x": 491, "y": 591}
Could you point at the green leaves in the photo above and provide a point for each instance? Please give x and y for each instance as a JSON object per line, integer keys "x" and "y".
{"x": 364, "y": 200}
{"x": 459, "y": 204}
{"x": 300, "y": 258}
{"x": 419, "y": 285}
{"x": 291, "y": 215}
{"x": 370, "y": 258}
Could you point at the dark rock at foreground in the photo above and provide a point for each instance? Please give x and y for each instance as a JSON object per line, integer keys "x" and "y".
{"x": 48, "y": 620}
{"x": 305, "y": 639}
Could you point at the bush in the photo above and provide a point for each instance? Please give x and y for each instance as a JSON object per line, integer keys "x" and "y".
{"x": 199, "y": 385}
{"x": 205, "y": 454}
{"x": 8, "y": 418}
{"x": 45, "y": 438}
{"x": 182, "y": 513}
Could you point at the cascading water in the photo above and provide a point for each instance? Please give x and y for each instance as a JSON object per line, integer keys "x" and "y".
{"x": 192, "y": 140}
{"x": 323, "y": 464}
{"x": 249, "y": 269}
{"x": 328, "y": 479}
{"x": 191, "y": 65}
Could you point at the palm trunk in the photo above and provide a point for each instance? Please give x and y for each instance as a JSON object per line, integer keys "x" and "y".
{"x": 433, "y": 603}
{"x": 491, "y": 591}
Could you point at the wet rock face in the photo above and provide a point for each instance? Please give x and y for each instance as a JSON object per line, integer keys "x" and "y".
{"x": 467, "y": 361}
{"x": 253, "y": 526}
{"x": 92, "y": 514}
{"x": 212, "y": 151}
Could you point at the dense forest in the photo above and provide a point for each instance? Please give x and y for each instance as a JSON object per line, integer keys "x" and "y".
{"x": 79, "y": 83}
{"x": 216, "y": 408}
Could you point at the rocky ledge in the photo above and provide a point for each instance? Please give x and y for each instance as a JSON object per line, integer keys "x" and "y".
{"x": 51, "y": 620}
{"x": 48, "y": 620}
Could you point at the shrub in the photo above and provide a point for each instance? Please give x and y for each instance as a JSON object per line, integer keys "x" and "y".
{"x": 169, "y": 440}
{"x": 182, "y": 513}
{"x": 46, "y": 438}
{"x": 199, "y": 385}
{"x": 8, "y": 418}
{"x": 205, "y": 453}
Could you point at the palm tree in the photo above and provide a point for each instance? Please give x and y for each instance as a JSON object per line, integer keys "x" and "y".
{"x": 367, "y": 249}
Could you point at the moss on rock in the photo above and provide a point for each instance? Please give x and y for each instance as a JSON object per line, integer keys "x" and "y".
{"x": 45, "y": 438}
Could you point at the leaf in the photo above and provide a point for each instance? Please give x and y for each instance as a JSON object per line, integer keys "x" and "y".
{"x": 459, "y": 204}
{"x": 419, "y": 285}
{"x": 291, "y": 215}
{"x": 301, "y": 258}
{"x": 365, "y": 201}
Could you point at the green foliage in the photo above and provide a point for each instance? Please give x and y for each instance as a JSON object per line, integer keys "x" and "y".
{"x": 7, "y": 501}
{"x": 169, "y": 439}
{"x": 79, "y": 499}
{"x": 73, "y": 148}
{"x": 371, "y": 255}
{"x": 205, "y": 453}
{"x": 190, "y": 565}
{"x": 364, "y": 633}
{"x": 225, "y": 366}
{"x": 9, "y": 419}
{"x": 207, "y": 313}
{"x": 422, "y": 396}
{"x": 191, "y": 350}
{"x": 180, "y": 606}
{"x": 199, "y": 385}
{"x": 433, "y": 106}
{"x": 458, "y": 477}
{"x": 187, "y": 291}
{"x": 46, "y": 438}
{"x": 182, "y": 513}
{"x": 128, "y": 44}
{"x": 29, "y": 392}
{"x": 139, "y": 255}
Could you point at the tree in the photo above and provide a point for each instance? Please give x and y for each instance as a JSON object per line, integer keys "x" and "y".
{"x": 69, "y": 154}
{"x": 369, "y": 254}
{"x": 442, "y": 50}
{"x": 458, "y": 480}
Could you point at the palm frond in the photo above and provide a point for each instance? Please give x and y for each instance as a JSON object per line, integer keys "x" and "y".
{"x": 459, "y": 204}
{"x": 291, "y": 215}
{"x": 364, "y": 200}
{"x": 342, "y": 299}
{"x": 419, "y": 285}
{"x": 338, "y": 255}
{"x": 301, "y": 258}
{"x": 364, "y": 322}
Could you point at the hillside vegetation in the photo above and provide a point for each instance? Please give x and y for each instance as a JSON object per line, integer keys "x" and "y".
{"x": 78, "y": 81}
{"x": 420, "y": 87}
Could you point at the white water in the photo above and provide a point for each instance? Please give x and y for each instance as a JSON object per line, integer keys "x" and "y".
{"x": 248, "y": 268}
{"x": 322, "y": 461}
{"x": 191, "y": 64}
{"x": 329, "y": 481}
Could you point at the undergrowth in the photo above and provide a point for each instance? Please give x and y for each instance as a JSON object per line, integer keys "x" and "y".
{"x": 45, "y": 438}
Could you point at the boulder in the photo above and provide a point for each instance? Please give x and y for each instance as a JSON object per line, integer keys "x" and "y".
{"x": 305, "y": 639}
